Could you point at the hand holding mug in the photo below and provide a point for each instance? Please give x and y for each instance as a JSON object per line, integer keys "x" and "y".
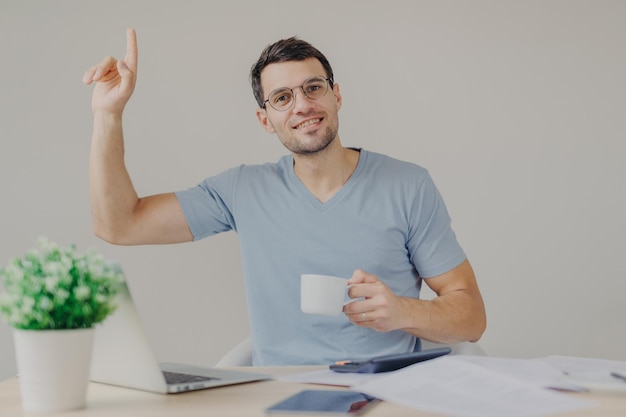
{"x": 379, "y": 308}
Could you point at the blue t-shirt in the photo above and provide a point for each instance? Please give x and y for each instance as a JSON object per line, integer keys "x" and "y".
{"x": 388, "y": 219}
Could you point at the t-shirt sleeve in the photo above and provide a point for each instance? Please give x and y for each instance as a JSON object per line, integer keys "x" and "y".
{"x": 208, "y": 205}
{"x": 432, "y": 243}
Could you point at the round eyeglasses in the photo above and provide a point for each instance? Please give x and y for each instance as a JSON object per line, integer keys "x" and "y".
{"x": 283, "y": 98}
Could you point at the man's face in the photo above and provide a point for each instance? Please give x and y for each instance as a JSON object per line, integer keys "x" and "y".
{"x": 308, "y": 126}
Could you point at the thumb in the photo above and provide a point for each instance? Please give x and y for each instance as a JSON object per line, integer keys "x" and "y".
{"x": 123, "y": 69}
{"x": 359, "y": 277}
{"x": 128, "y": 77}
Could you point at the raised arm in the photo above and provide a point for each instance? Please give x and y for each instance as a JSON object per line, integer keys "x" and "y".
{"x": 119, "y": 215}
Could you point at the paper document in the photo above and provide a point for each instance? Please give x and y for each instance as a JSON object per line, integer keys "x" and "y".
{"x": 571, "y": 364}
{"x": 328, "y": 377}
{"x": 460, "y": 388}
{"x": 596, "y": 375}
{"x": 535, "y": 371}
{"x": 541, "y": 372}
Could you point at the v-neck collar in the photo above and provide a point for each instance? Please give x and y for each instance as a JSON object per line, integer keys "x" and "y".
{"x": 345, "y": 188}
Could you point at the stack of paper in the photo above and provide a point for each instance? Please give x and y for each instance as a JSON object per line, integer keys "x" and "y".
{"x": 478, "y": 386}
{"x": 458, "y": 387}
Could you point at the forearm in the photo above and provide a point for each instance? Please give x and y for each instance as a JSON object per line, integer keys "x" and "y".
{"x": 454, "y": 317}
{"x": 112, "y": 195}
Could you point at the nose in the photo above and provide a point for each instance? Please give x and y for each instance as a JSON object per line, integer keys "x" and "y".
{"x": 301, "y": 104}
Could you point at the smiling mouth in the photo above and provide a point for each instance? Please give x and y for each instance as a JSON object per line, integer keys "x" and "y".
{"x": 307, "y": 123}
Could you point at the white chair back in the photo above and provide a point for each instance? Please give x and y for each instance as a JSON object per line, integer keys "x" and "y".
{"x": 241, "y": 354}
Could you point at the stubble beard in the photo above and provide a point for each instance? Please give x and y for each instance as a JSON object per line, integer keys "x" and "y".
{"x": 307, "y": 149}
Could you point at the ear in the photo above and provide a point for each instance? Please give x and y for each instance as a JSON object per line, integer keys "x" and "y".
{"x": 337, "y": 94}
{"x": 261, "y": 114}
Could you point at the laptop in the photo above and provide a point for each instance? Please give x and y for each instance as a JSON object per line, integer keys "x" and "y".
{"x": 122, "y": 357}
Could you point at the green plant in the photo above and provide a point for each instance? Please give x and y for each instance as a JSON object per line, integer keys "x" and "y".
{"x": 57, "y": 288}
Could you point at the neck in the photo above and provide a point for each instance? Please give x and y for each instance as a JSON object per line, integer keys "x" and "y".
{"x": 325, "y": 172}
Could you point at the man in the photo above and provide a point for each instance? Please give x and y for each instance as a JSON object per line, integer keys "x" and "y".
{"x": 322, "y": 209}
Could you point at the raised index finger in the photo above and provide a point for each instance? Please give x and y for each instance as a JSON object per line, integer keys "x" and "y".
{"x": 131, "y": 50}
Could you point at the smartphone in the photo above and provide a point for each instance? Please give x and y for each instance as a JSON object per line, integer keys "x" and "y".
{"x": 325, "y": 403}
{"x": 389, "y": 363}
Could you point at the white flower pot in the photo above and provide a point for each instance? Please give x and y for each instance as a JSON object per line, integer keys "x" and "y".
{"x": 53, "y": 368}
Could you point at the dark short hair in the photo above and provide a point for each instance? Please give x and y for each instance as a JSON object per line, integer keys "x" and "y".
{"x": 292, "y": 49}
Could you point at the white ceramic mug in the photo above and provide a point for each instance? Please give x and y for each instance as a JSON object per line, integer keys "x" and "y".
{"x": 323, "y": 294}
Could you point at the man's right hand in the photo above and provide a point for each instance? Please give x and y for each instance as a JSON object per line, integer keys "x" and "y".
{"x": 115, "y": 80}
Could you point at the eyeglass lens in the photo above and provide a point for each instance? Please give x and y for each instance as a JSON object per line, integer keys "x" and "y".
{"x": 283, "y": 98}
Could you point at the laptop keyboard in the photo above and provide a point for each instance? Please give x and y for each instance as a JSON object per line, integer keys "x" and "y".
{"x": 177, "y": 378}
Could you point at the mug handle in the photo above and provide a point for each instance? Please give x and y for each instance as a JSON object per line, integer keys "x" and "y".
{"x": 352, "y": 300}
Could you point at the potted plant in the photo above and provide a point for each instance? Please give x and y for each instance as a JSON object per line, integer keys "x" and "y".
{"x": 53, "y": 297}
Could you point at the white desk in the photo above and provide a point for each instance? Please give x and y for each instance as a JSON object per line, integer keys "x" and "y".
{"x": 246, "y": 400}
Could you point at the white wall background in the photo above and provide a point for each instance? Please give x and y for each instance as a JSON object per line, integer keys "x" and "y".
{"x": 518, "y": 109}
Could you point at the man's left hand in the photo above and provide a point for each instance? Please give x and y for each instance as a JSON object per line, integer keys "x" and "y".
{"x": 380, "y": 310}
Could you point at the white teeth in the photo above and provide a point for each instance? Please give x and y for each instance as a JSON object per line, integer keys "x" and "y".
{"x": 308, "y": 123}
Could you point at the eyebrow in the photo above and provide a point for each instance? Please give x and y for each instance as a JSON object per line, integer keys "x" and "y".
{"x": 299, "y": 85}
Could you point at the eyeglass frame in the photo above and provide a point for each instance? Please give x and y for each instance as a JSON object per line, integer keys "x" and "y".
{"x": 329, "y": 85}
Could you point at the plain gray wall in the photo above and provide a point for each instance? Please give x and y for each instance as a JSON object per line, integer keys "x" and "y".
{"x": 517, "y": 108}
